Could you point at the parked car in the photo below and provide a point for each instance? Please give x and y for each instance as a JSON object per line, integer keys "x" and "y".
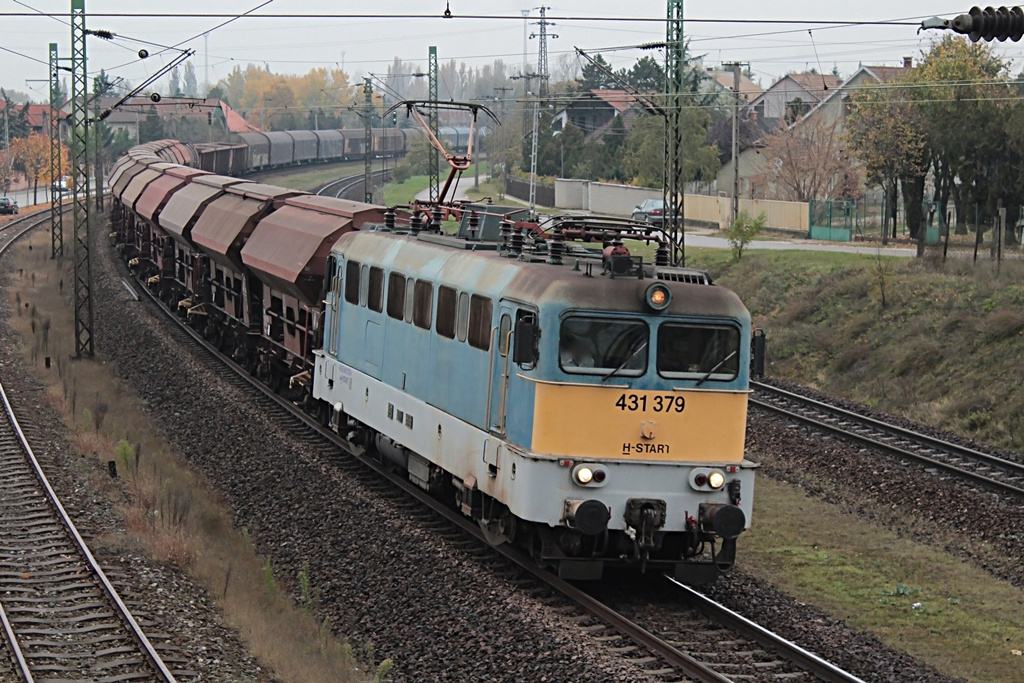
{"x": 8, "y": 205}
{"x": 650, "y": 211}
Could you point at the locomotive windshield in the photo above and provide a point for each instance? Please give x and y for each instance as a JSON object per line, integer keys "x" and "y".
{"x": 601, "y": 345}
{"x": 698, "y": 351}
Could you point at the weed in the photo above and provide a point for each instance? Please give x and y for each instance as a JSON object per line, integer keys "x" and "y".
{"x": 1003, "y": 324}
{"x": 269, "y": 582}
{"x": 306, "y": 596}
{"x": 99, "y": 411}
{"x": 382, "y": 670}
{"x": 175, "y": 547}
{"x": 124, "y": 452}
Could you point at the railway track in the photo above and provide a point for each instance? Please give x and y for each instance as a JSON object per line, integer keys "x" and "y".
{"x": 657, "y": 655}
{"x": 999, "y": 474}
{"x": 342, "y": 188}
{"x": 61, "y": 617}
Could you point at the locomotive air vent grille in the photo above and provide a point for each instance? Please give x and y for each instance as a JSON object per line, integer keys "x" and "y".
{"x": 688, "y": 275}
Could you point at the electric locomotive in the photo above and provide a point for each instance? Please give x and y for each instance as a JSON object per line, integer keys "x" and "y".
{"x": 579, "y": 402}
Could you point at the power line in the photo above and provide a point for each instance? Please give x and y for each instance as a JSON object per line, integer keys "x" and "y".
{"x": 486, "y": 17}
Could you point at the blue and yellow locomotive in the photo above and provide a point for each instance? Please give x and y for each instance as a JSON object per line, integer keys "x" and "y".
{"x": 581, "y": 403}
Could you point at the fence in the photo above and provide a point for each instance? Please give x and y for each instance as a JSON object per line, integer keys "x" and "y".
{"x": 544, "y": 195}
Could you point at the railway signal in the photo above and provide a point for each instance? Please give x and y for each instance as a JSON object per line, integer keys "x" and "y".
{"x": 988, "y": 24}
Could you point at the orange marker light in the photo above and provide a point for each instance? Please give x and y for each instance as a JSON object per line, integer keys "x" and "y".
{"x": 657, "y": 297}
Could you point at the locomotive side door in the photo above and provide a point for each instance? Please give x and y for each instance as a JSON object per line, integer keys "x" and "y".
{"x": 500, "y": 368}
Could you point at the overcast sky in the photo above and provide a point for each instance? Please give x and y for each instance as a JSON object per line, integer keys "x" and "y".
{"x": 295, "y": 45}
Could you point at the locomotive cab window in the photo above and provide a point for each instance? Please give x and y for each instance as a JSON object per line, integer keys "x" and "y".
{"x": 375, "y": 294}
{"x": 396, "y": 296}
{"x": 480, "y": 310}
{"x": 423, "y": 301}
{"x": 603, "y": 346}
{"x": 688, "y": 351}
{"x": 352, "y": 282}
{"x": 446, "y": 308}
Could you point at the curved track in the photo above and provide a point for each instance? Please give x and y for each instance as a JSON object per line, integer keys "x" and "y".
{"x": 656, "y": 655}
{"x": 343, "y": 188}
{"x": 62, "y": 618}
{"x": 1005, "y": 476}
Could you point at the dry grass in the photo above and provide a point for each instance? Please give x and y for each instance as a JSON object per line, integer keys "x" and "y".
{"x": 966, "y": 623}
{"x": 166, "y": 509}
{"x": 946, "y": 330}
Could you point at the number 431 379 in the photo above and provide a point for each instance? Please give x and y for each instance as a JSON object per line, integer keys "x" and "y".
{"x": 655, "y": 404}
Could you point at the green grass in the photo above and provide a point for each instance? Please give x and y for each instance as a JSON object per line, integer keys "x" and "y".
{"x": 944, "y": 348}
{"x": 965, "y": 622}
{"x": 404, "y": 193}
{"x": 308, "y": 178}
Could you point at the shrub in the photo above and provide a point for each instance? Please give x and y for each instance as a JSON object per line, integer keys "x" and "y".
{"x": 743, "y": 230}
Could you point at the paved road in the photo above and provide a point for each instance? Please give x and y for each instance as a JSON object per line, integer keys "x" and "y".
{"x": 457, "y": 191}
{"x": 698, "y": 240}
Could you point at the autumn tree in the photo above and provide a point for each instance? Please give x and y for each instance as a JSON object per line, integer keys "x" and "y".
{"x": 885, "y": 134}
{"x": 961, "y": 92}
{"x": 806, "y": 161}
{"x": 32, "y": 156}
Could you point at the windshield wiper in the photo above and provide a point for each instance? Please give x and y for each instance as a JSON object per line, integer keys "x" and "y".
{"x": 625, "y": 362}
{"x": 712, "y": 370}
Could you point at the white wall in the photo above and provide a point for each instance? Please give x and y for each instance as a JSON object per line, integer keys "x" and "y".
{"x": 619, "y": 200}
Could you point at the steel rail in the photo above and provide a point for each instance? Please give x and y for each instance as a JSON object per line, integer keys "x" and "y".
{"x": 12, "y": 642}
{"x": 352, "y": 180}
{"x": 108, "y": 588}
{"x": 805, "y": 659}
{"x": 642, "y": 637}
{"x": 923, "y": 439}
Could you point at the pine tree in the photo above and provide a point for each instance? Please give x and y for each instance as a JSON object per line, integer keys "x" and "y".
{"x": 152, "y": 127}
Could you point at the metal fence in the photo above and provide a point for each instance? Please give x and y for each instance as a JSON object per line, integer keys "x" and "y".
{"x": 544, "y": 195}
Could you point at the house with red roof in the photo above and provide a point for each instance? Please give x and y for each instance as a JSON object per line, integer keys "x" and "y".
{"x": 172, "y": 110}
{"x": 593, "y": 112}
{"x": 38, "y": 116}
{"x": 788, "y": 99}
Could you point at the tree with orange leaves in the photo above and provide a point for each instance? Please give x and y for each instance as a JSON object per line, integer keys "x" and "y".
{"x": 32, "y": 156}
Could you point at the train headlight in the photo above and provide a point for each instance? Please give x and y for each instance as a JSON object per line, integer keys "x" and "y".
{"x": 706, "y": 479}
{"x": 590, "y": 475}
{"x": 657, "y": 297}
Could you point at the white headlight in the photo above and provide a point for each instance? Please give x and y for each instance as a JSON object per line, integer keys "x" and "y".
{"x": 584, "y": 475}
{"x": 716, "y": 480}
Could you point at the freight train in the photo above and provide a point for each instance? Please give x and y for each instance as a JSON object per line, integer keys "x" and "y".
{"x": 277, "y": 149}
{"x": 572, "y": 397}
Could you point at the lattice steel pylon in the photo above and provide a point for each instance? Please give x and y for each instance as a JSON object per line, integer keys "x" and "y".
{"x": 542, "y": 51}
{"x": 674, "y": 186}
{"x": 368, "y": 127}
{"x": 80, "y": 183}
{"x": 56, "y": 167}
{"x": 433, "y": 158}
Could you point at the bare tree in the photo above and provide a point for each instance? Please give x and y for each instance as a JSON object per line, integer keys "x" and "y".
{"x": 807, "y": 160}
